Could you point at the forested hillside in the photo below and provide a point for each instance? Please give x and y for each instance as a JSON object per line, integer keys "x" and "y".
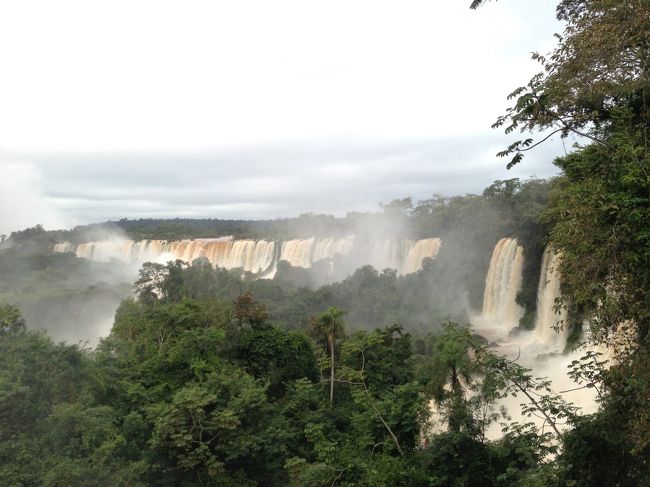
{"x": 469, "y": 227}
{"x": 218, "y": 377}
{"x": 203, "y": 391}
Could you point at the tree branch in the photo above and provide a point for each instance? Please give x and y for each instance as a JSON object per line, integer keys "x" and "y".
{"x": 374, "y": 407}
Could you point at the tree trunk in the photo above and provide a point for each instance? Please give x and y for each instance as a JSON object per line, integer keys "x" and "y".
{"x": 331, "y": 340}
{"x": 550, "y": 420}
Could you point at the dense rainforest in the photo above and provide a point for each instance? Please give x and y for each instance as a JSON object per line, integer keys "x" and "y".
{"x": 444, "y": 288}
{"x": 210, "y": 377}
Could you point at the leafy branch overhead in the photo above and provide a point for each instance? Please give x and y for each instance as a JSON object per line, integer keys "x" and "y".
{"x": 593, "y": 82}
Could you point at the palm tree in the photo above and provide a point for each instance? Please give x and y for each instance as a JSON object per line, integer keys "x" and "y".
{"x": 330, "y": 323}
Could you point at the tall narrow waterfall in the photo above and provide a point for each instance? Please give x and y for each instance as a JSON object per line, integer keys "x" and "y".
{"x": 502, "y": 283}
{"x": 548, "y": 292}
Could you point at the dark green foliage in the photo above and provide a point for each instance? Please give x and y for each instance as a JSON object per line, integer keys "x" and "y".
{"x": 448, "y": 375}
{"x": 205, "y": 392}
{"x": 597, "y": 452}
{"x": 277, "y": 356}
{"x": 193, "y": 389}
{"x": 374, "y": 299}
{"x": 221, "y": 429}
{"x": 306, "y": 225}
{"x": 11, "y": 322}
{"x": 595, "y": 85}
{"x": 35, "y": 375}
{"x": 602, "y": 203}
{"x": 198, "y": 391}
{"x": 457, "y": 459}
{"x": 601, "y": 216}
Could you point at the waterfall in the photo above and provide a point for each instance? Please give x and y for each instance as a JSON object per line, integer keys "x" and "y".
{"x": 64, "y": 247}
{"x": 260, "y": 256}
{"x": 217, "y": 251}
{"x": 297, "y": 252}
{"x": 405, "y": 256}
{"x": 251, "y": 255}
{"x": 105, "y": 251}
{"x": 547, "y": 293}
{"x": 532, "y": 349}
{"x": 426, "y": 248}
{"x": 388, "y": 253}
{"x": 327, "y": 248}
{"x": 502, "y": 283}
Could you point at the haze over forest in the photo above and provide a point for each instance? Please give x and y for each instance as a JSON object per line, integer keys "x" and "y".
{"x": 281, "y": 243}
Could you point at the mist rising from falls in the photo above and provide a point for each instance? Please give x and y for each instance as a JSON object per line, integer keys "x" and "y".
{"x": 327, "y": 248}
{"x": 388, "y": 254}
{"x": 305, "y": 252}
{"x": 262, "y": 256}
{"x": 405, "y": 256}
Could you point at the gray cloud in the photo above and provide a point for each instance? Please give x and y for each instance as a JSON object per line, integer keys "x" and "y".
{"x": 276, "y": 180}
{"x": 397, "y": 103}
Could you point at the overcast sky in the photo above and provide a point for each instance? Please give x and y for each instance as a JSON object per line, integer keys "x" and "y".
{"x": 255, "y": 109}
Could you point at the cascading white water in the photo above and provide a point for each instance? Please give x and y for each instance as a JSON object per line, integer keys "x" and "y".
{"x": 64, "y": 247}
{"x": 259, "y": 256}
{"x": 422, "y": 249}
{"x": 502, "y": 283}
{"x": 327, "y": 248}
{"x": 548, "y": 292}
{"x": 500, "y": 312}
{"x": 385, "y": 254}
{"x": 389, "y": 253}
{"x": 298, "y": 252}
{"x": 250, "y": 255}
{"x": 536, "y": 349}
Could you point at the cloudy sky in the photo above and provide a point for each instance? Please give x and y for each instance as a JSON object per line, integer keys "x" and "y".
{"x": 255, "y": 108}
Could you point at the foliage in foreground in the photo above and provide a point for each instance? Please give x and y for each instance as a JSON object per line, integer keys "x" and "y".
{"x": 203, "y": 392}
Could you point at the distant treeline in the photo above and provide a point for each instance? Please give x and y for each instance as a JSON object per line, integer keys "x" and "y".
{"x": 508, "y": 206}
{"x": 469, "y": 225}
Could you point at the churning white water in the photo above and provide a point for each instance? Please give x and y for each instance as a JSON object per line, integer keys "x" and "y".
{"x": 539, "y": 349}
